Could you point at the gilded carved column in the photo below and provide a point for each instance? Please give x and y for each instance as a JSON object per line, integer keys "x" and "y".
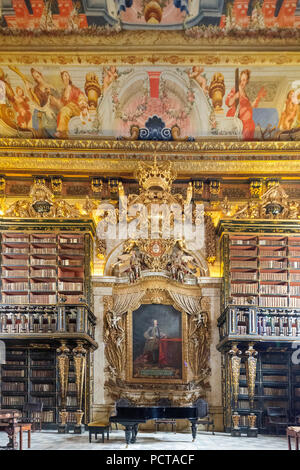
{"x": 63, "y": 362}
{"x": 251, "y": 364}
{"x": 235, "y": 366}
{"x": 79, "y": 358}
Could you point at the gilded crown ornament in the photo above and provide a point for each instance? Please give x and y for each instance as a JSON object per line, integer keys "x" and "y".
{"x": 155, "y": 175}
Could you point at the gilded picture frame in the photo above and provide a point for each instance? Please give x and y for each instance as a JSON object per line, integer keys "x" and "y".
{"x": 130, "y": 377}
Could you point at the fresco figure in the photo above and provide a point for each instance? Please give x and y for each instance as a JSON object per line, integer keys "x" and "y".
{"x": 109, "y": 75}
{"x": 197, "y": 74}
{"x": 22, "y": 108}
{"x": 42, "y": 102}
{"x": 244, "y": 108}
{"x": 71, "y": 104}
{"x": 289, "y": 113}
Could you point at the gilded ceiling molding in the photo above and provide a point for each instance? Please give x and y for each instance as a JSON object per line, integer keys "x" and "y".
{"x": 140, "y": 56}
{"x": 117, "y": 147}
{"x": 140, "y": 40}
{"x": 124, "y": 165}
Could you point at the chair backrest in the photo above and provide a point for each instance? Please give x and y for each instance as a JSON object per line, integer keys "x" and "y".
{"x": 164, "y": 402}
{"x": 202, "y": 406}
{"x": 277, "y": 412}
{"x": 30, "y": 408}
{"x": 123, "y": 402}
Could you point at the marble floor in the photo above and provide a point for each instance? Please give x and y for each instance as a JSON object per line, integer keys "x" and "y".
{"x": 51, "y": 440}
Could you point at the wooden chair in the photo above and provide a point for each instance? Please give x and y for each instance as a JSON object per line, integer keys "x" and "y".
{"x": 24, "y": 427}
{"x": 32, "y": 413}
{"x": 165, "y": 402}
{"x": 277, "y": 418}
{"x": 293, "y": 431}
{"x": 208, "y": 420}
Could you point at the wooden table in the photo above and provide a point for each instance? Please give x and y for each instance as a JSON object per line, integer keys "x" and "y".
{"x": 9, "y": 424}
{"x": 293, "y": 431}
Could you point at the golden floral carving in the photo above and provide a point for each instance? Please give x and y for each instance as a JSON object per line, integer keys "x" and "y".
{"x": 251, "y": 373}
{"x": 63, "y": 370}
{"x": 79, "y": 358}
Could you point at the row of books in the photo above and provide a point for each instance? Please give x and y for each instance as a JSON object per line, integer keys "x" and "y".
{"x": 295, "y": 276}
{"x": 243, "y": 390}
{"x": 242, "y": 330}
{"x": 244, "y": 263}
{"x": 70, "y": 240}
{"x": 275, "y": 378}
{"x": 13, "y": 387}
{"x": 277, "y": 253}
{"x": 294, "y": 290}
{"x": 273, "y": 289}
{"x": 247, "y": 276}
{"x": 15, "y": 250}
{"x": 238, "y": 288}
{"x": 38, "y": 387}
{"x": 250, "y": 241}
{"x": 294, "y": 302}
{"x": 47, "y": 401}
{"x": 273, "y": 276}
{"x": 69, "y": 286}
{"x": 273, "y": 301}
{"x": 15, "y": 286}
{"x": 41, "y": 363}
{"x": 43, "y": 373}
{"x": 275, "y": 391}
{"x": 272, "y": 264}
{"x": 271, "y": 242}
{"x": 19, "y": 400}
{"x": 13, "y": 373}
{"x": 43, "y": 286}
{"x": 246, "y": 252}
{"x": 240, "y": 300}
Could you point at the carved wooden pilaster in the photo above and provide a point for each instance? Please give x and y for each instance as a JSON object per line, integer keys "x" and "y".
{"x": 63, "y": 362}
{"x": 235, "y": 366}
{"x": 251, "y": 364}
{"x": 79, "y": 358}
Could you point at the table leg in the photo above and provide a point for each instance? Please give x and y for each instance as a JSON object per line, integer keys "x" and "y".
{"x": 21, "y": 438}
{"x": 134, "y": 433}
{"x": 128, "y": 433}
{"x": 107, "y": 433}
{"x": 289, "y": 442}
{"x": 194, "y": 430}
{"x": 29, "y": 438}
{"x": 12, "y": 437}
{"x": 297, "y": 442}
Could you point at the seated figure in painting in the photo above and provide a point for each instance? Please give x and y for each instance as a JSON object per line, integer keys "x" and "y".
{"x": 73, "y": 103}
{"x": 153, "y": 336}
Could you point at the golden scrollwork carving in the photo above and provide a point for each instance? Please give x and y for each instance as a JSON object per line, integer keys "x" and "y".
{"x": 63, "y": 370}
{"x": 273, "y": 204}
{"x": 114, "y": 328}
{"x": 198, "y": 340}
{"x": 251, "y": 363}
{"x": 79, "y": 358}
{"x": 252, "y": 420}
{"x": 41, "y": 204}
{"x": 235, "y": 365}
{"x": 210, "y": 240}
{"x": 118, "y": 345}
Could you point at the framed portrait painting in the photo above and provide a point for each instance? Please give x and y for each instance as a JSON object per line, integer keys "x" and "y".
{"x": 156, "y": 340}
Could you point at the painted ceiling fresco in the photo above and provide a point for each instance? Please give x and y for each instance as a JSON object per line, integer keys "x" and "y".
{"x": 225, "y": 15}
{"x": 150, "y": 103}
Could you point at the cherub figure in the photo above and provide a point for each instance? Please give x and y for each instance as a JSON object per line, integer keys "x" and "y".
{"x": 197, "y": 74}
{"x": 109, "y": 75}
{"x": 21, "y": 106}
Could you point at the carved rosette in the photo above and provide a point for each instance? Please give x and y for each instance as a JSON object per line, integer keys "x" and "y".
{"x": 251, "y": 373}
{"x": 235, "y": 366}
{"x": 79, "y": 358}
{"x": 210, "y": 239}
{"x": 63, "y": 370}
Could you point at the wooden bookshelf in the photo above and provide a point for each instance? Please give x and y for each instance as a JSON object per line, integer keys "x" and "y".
{"x": 31, "y": 375}
{"x": 39, "y": 268}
